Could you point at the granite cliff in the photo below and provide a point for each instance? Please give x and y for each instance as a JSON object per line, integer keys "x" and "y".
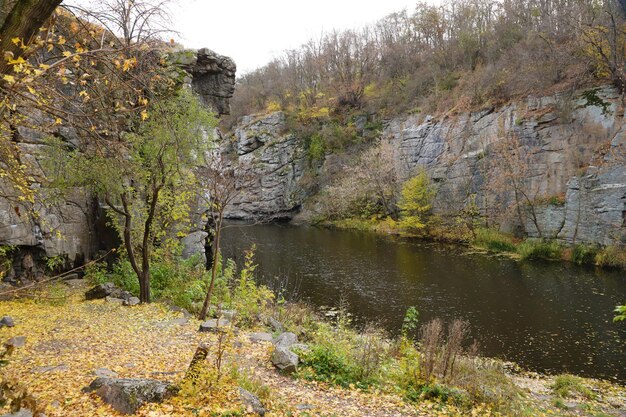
{"x": 576, "y": 145}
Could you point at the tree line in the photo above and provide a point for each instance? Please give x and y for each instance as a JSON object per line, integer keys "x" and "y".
{"x": 460, "y": 54}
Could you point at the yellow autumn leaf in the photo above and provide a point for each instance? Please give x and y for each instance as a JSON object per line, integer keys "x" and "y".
{"x": 67, "y": 53}
{"x": 18, "y": 60}
{"x": 144, "y": 115}
{"x": 9, "y": 78}
{"x": 15, "y": 41}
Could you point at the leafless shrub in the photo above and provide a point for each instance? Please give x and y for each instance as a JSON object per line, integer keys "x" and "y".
{"x": 370, "y": 351}
{"x": 431, "y": 339}
{"x": 441, "y": 352}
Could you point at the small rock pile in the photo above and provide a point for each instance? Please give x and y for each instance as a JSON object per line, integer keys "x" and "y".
{"x": 111, "y": 293}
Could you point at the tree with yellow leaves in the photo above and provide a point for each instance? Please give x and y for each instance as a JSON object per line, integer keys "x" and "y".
{"x": 416, "y": 201}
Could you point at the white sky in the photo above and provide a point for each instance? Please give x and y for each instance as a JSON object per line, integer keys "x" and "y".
{"x": 252, "y": 32}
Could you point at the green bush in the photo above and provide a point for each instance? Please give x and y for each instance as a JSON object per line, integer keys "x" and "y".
{"x": 537, "y": 249}
{"x": 565, "y": 386}
{"x": 436, "y": 392}
{"x": 493, "y": 240}
{"x": 584, "y": 254}
{"x": 317, "y": 148}
{"x": 324, "y": 363}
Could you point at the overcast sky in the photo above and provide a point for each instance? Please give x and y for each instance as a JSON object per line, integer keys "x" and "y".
{"x": 252, "y": 32}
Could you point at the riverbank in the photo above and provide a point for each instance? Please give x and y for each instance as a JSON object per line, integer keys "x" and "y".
{"x": 69, "y": 340}
{"x": 494, "y": 241}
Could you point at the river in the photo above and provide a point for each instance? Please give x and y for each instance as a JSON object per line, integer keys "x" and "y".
{"x": 549, "y": 317}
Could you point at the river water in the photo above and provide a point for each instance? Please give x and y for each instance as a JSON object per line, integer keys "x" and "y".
{"x": 547, "y": 316}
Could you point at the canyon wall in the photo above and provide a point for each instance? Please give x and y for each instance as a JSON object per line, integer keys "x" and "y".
{"x": 73, "y": 225}
{"x": 574, "y": 143}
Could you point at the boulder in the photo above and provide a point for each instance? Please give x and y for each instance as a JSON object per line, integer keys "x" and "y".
{"x": 252, "y": 404}
{"x": 7, "y": 321}
{"x": 131, "y": 301}
{"x": 228, "y": 314}
{"x": 213, "y": 325}
{"x": 126, "y": 395}
{"x": 286, "y": 340}
{"x": 284, "y": 359}
{"x": 107, "y": 289}
{"x": 261, "y": 337}
{"x": 275, "y": 324}
{"x": 181, "y": 310}
{"x": 16, "y": 342}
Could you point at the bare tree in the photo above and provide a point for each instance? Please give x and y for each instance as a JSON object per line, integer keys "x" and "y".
{"x": 221, "y": 182}
{"x": 509, "y": 172}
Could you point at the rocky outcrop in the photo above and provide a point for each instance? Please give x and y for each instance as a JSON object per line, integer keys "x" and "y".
{"x": 126, "y": 395}
{"x": 277, "y": 161}
{"x": 212, "y": 76}
{"x": 584, "y": 195}
{"x": 73, "y": 226}
{"x": 576, "y": 162}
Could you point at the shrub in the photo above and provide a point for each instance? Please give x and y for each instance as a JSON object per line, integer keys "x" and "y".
{"x": 317, "y": 148}
{"x": 611, "y": 257}
{"x": 537, "y": 249}
{"x": 584, "y": 254}
{"x": 565, "y": 386}
{"x": 327, "y": 364}
{"x": 249, "y": 299}
{"x": 493, "y": 240}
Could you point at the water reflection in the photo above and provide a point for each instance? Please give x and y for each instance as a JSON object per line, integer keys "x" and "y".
{"x": 546, "y": 316}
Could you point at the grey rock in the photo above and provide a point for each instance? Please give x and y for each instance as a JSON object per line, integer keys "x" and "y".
{"x": 213, "y": 325}
{"x": 105, "y": 373}
{"x": 286, "y": 340}
{"x": 131, "y": 301}
{"x": 304, "y": 407}
{"x": 16, "y": 342}
{"x": 180, "y": 309}
{"x": 228, "y": 314}
{"x": 284, "y": 359}
{"x": 126, "y": 395}
{"x": 275, "y": 324}
{"x": 102, "y": 291}
{"x": 251, "y": 402}
{"x": 114, "y": 300}
{"x": 193, "y": 244}
{"x": 261, "y": 337}
{"x": 213, "y": 79}
{"x": 276, "y": 160}
{"x": 7, "y": 321}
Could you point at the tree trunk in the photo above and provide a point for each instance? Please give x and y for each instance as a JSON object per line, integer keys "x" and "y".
{"x": 23, "y": 22}
{"x": 216, "y": 251}
{"x": 144, "y": 286}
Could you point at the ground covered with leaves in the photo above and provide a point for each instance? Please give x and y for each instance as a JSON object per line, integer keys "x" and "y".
{"x": 69, "y": 340}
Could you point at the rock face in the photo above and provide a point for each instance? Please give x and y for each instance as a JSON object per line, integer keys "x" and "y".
{"x": 561, "y": 145}
{"x": 126, "y": 395}
{"x": 276, "y": 160}
{"x": 212, "y": 77}
{"x": 74, "y": 226}
{"x": 576, "y": 146}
